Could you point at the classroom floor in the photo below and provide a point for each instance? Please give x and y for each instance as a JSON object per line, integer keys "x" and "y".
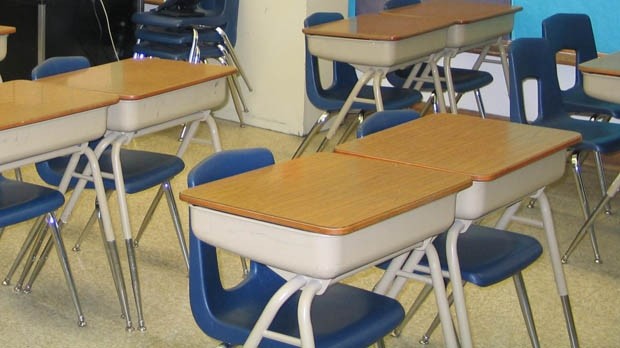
{"x": 46, "y": 318}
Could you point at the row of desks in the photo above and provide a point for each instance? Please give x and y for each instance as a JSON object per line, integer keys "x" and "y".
{"x": 327, "y": 216}
{"x": 379, "y": 43}
{"x": 118, "y": 101}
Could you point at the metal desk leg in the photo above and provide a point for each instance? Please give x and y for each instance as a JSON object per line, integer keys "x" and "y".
{"x": 126, "y": 226}
{"x": 269, "y": 313}
{"x": 554, "y": 255}
{"x": 447, "y": 59}
{"x": 602, "y": 205}
{"x": 347, "y": 106}
{"x": 457, "y": 228}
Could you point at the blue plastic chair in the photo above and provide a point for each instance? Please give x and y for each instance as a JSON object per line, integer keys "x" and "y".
{"x": 533, "y": 58}
{"x": 332, "y": 98}
{"x": 142, "y": 170}
{"x": 208, "y": 31}
{"x": 382, "y": 120}
{"x": 464, "y": 80}
{"x": 486, "y": 255}
{"x": 21, "y": 201}
{"x": 573, "y": 31}
{"x": 230, "y": 314}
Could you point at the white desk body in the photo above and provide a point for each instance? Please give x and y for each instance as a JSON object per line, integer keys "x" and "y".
{"x": 41, "y": 122}
{"x": 476, "y": 25}
{"x": 4, "y": 34}
{"x": 155, "y": 94}
{"x": 601, "y": 79}
{"x": 375, "y": 47}
{"x": 327, "y": 229}
{"x": 506, "y": 162}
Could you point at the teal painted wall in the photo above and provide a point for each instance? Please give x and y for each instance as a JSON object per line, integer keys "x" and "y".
{"x": 603, "y": 14}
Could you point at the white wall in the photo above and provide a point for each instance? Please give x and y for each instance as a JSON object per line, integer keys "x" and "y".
{"x": 270, "y": 46}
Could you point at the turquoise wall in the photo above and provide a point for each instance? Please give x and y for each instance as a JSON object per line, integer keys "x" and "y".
{"x": 603, "y": 14}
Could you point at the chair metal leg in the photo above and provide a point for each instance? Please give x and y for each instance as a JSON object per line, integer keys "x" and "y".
{"x": 135, "y": 282}
{"x": 480, "y": 104}
{"x": 111, "y": 251}
{"x": 422, "y": 296}
{"x": 598, "y": 158}
{"x": 176, "y": 220}
{"x": 436, "y": 321}
{"x": 352, "y": 126}
{"x": 18, "y": 174}
{"x": 31, "y": 258}
{"x": 576, "y": 165}
{"x": 431, "y": 101}
{"x": 526, "y": 309}
{"x": 183, "y": 131}
{"x": 233, "y": 56}
{"x": 33, "y": 235}
{"x": 575, "y": 160}
{"x": 236, "y": 98}
{"x": 91, "y": 221}
{"x": 47, "y": 248}
{"x": 64, "y": 263}
{"x": 316, "y": 128}
{"x": 611, "y": 192}
{"x": 149, "y": 215}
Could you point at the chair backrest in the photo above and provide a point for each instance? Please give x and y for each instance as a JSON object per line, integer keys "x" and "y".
{"x": 571, "y": 31}
{"x": 385, "y": 119}
{"x": 343, "y": 74}
{"x": 59, "y": 65}
{"x": 49, "y": 67}
{"x": 206, "y": 291}
{"x": 532, "y": 58}
{"x": 229, "y": 9}
{"x": 390, "y": 4}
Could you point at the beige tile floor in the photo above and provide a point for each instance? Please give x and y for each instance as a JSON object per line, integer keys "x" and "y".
{"x": 45, "y": 318}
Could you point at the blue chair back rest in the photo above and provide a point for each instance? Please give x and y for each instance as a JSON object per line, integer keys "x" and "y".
{"x": 343, "y": 74}
{"x": 390, "y": 4}
{"x": 571, "y": 31}
{"x": 229, "y": 9}
{"x": 382, "y": 120}
{"x": 59, "y": 65}
{"x": 204, "y": 271}
{"x": 53, "y": 66}
{"x": 532, "y": 58}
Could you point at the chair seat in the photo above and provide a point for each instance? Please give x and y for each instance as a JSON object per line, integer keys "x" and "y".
{"x": 393, "y": 98}
{"x": 21, "y": 201}
{"x": 176, "y": 37}
{"x": 344, "y": 316}
{"x": 576, "y": 100}
{"x": 152, "y": 18}
{"x": 602, "y": 137}
{"x": 488, "y": 255}
{"x": 174, "y": 52}
{"x": 464, "y": 80}
{"x": 141, "y": 169}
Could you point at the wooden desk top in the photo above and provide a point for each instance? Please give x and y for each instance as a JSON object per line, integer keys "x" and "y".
{"x": 604, "y": 65}
{"x": 137, "y": 79}
{"x": 459, "y": 12}
{"x": 375, "y": 27}
{"x": 154, "y": 2}
{"x": 482, "y": 149}
{"x": 5, "y": 30}
{"x": 326, "y": 193}
{"x": 27, "y": 102}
